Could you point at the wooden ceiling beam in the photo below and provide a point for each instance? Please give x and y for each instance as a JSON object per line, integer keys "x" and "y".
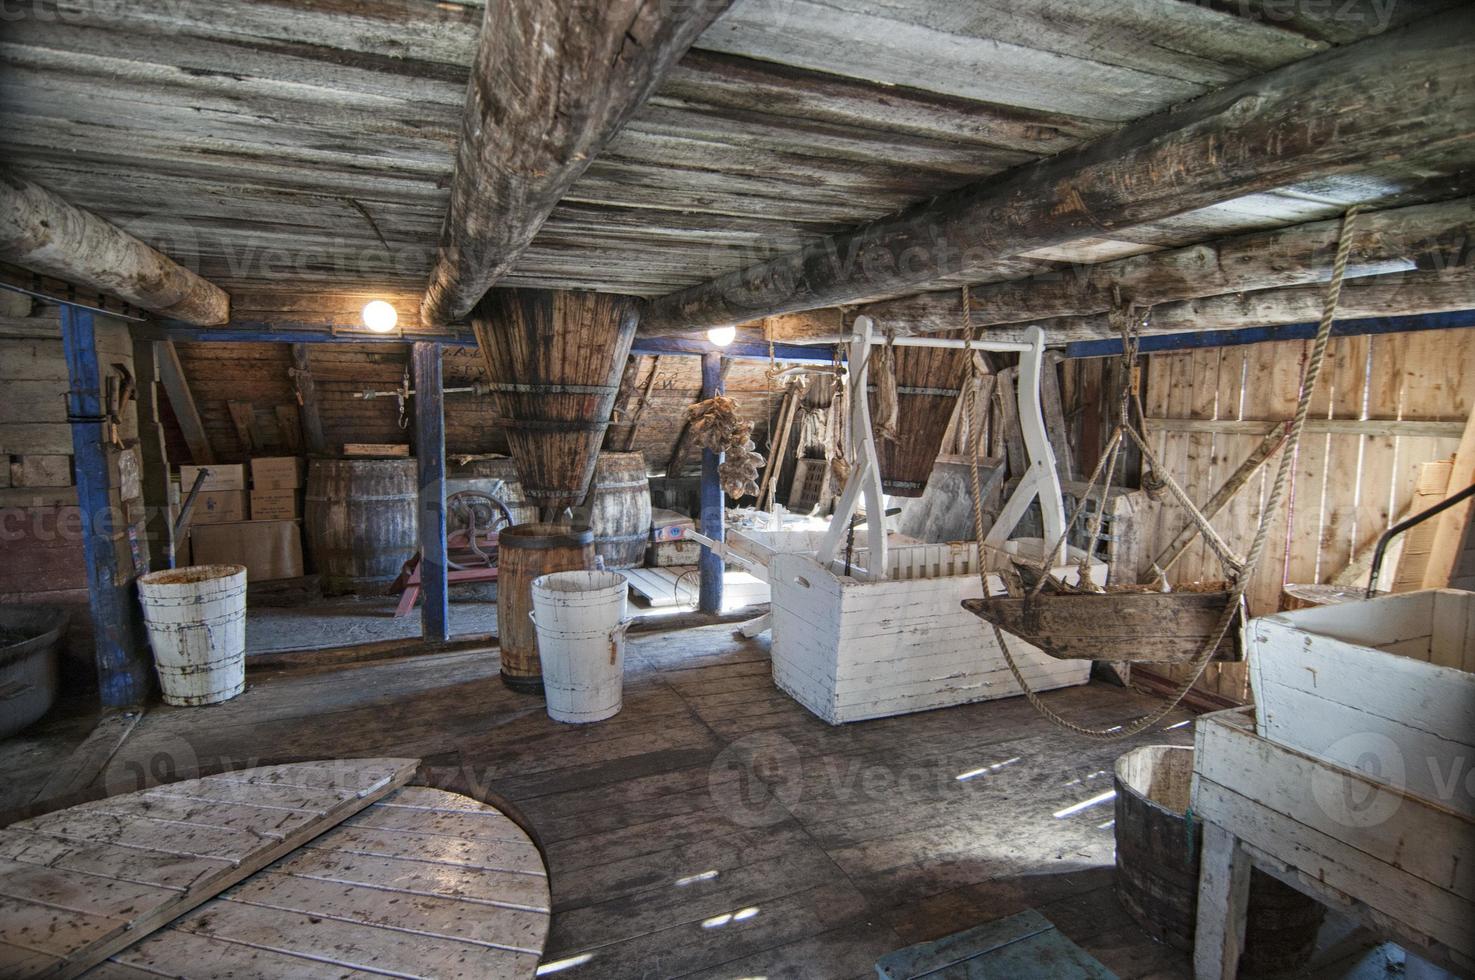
{"x": 1427, "y": 236}
{"x": 41, "y": 232}
{"x": 552, "y": 83}
{"x": 1396, "y": 294}
{"x": 1333, "y": 113}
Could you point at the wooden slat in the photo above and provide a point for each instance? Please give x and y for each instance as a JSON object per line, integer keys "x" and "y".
{"x": 129, "y": 840}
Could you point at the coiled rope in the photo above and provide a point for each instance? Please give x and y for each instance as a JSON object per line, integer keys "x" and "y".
{"x": 1242, "y": 574}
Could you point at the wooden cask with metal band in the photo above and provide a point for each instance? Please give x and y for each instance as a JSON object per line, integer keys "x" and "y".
{"x": 524, "y": 552}
{"x": 928, "y": 381}
{"x": 619, "y": 509}
{"x": 1157, "y": 863}
{"x": 554, "y": 360}
{"x": 360, "y": 519}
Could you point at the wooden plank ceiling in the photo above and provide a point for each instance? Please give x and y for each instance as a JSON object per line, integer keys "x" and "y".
{"x": 289, "y": 144}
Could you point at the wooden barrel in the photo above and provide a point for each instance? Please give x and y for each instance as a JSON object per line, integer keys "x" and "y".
{"x": 619, "y": 509}
{"x": 360, "y": 517}
{"x": 1157, "y": 862}
{"x": 554, "y": 360}
{"x": 927, "y": 389}
{"x": 525, "y": 552}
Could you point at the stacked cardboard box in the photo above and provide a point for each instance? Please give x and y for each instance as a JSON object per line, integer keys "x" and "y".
{"x": 268, "y": 549}
{"x": 276, "y": 483}
{"x": 222, "y": 497}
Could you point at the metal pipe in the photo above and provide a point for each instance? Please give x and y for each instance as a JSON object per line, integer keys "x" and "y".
{"x": 1404, "y": 525}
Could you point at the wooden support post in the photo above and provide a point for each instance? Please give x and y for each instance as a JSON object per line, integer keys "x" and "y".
{"x": 430, "y": 456}
{"x": 123, "y": 670}
{"x": 171, "y": 373}
{"x": 714, "y": 516}
{"x": 243, "y": 420}
{"x": 1223, "y": 898}
{"x": 153, "y": 454}
{"x": 307, "y": 399}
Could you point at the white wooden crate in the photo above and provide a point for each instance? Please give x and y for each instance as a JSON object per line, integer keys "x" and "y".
{"x": 1399, "y": 863}
{"x": 849, "y": 649}
{"x": 1385, "y": 686}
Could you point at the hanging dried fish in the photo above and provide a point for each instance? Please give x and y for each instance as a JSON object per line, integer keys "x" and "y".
{"x": 888, "y": 405}
{"x": 716, "y": 426}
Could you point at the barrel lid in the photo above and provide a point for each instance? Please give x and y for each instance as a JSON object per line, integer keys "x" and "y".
{"x": 544, "y": 536}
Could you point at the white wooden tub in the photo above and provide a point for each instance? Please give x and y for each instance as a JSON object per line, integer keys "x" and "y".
{"x": 848, "y": 648}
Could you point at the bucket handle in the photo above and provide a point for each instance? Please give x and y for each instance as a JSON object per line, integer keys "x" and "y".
{"x": 615, "y": 636}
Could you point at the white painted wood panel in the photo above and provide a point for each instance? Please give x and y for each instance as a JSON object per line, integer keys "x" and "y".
{"x": 1377, "y": 705}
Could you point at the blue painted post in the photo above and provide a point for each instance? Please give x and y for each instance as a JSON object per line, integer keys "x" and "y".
{"x": 430, "y": 455}
{"x": 124, "y": 674}
{"x": 714, "y": 513}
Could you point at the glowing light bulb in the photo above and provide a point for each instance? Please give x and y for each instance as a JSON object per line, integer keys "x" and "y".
{"x": 379, "y": 316}
{"x": 722, "y": 336}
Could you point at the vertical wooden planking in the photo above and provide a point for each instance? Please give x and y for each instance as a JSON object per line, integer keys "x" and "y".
{"x": 307, "y": 400}
{"x": 1273, "y": 378}
{"x": 1198, "y": 472}
{"x": 153, "y": 453}
{"x": 123, "y": 674}
{"x": 714, "y": 515}
{"x": 1347, "y": 365}
{"x": 430, "y": 456}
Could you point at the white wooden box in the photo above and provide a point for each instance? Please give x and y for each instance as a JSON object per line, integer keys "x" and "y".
{"x": 1395, "y": 861}
{"x": 1383, "y": 686}
{"x": 849, "y": 649}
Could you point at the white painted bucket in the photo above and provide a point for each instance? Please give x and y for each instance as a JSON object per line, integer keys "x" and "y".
{"x": 580, "y": 618}
{"x": 197, "y": 627}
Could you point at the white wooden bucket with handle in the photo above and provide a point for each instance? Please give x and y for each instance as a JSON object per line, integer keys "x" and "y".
{"x": 581, "y": 624}
{"x": 197, "y": 626}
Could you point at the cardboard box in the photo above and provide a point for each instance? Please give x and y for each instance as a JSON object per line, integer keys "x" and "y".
{"x": 268, "y": 549}
{"x": 222, "y": 477}
{"x": 219, "y": 507}
{"x": 274, "y": 505}
{"x": 276, "y": 473}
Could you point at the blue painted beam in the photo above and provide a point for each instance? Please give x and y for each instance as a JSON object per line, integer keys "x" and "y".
{"x": 124, "y": 672}
{"x": 430, "y": 457}
{"x": 282, "y": 332}
{"x": 739, "y": 350}
{"x": 1286, "y": 331}
{"x": 714, "y": 510}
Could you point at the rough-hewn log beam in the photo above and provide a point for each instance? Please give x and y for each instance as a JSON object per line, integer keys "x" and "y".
{"x": 43, "y": 233}
{"x": 1332, "y": 113}
{"x": 1399, "y": 294}
{"x": 553, "y": 81}
{"x": 1427, "y": 236}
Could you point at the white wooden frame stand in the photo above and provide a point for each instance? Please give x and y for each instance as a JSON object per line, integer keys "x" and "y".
{"x": 1041, "y": 481}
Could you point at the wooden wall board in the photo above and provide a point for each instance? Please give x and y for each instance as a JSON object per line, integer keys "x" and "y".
{"x": 422, "y": 882}
{"x": 1347, "y": 487}
{"x": 79, "y": 884}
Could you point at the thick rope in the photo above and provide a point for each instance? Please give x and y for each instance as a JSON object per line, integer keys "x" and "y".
{"x": 1252, "y": 559}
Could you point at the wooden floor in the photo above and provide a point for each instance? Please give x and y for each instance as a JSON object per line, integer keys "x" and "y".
{"x": 714, "y": 827}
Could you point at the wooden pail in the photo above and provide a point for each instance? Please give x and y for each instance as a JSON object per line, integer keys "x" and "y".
{"x": 554, "y": 359}
{"x": 525, "y": 552}
{"x": 928, "y": 383}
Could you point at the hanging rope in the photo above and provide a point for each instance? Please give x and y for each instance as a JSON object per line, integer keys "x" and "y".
{"x": 1245, "y": 571}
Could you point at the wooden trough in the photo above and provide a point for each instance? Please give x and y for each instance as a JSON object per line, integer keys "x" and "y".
{"x": 1151, "y": 627}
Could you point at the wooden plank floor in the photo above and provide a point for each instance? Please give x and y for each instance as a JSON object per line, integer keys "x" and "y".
{"x": 714, "y": 827}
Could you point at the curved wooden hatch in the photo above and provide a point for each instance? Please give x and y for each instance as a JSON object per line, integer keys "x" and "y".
{"x": 79, "y": 884}
{"x": 423, "y": 883}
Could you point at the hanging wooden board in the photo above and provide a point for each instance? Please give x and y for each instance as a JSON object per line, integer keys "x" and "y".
{"x": 424, "y": 883}
{"x": 1152, "y": 627}
{"x": 80, "y": 884}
